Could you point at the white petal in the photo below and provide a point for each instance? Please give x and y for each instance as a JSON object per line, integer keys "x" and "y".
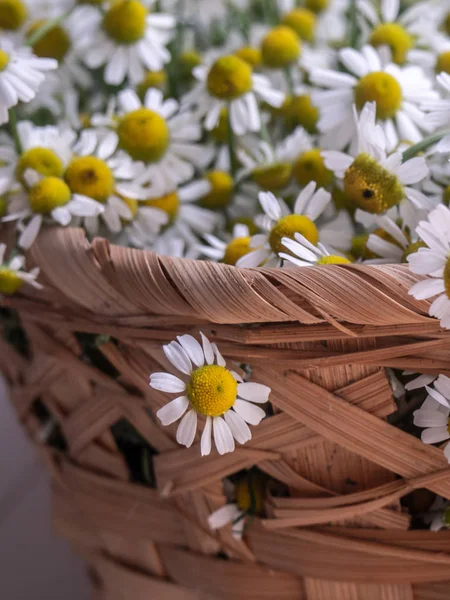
{"x": 207, "y": 349}
{"x": 165, "y": 382}
{"x": 429, "y": 418}
{"x": 30, "y": 232}
{"x": 270, "y": 205}
{"x": 413, "y": 170}
{"x": 222, "y": 436}
{"x": 61, "y": 215}
{"x": 192, "y": 349}
{"x": 224, "y": 515}
{"x": 427, "y": 288}
{"x": 187, "y": 429}
{"x": 238, "y": 427}
{"x": 205, "y": 443}
{"x": 438, "y": 397}
{"x": 249, "y": 412}
{"x": 219, "y": 358}
{"x": 447, "y": 452}
{"x": 178, "y": 357}
{"x": 173, "y": 411}
{"x": 255, "y": 392}
{"x": 434, "y": 435}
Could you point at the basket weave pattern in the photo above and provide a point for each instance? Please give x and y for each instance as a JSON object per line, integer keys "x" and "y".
{"x": 322, "y": 344}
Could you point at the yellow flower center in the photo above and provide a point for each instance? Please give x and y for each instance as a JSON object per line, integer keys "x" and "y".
{"x": 382, "y": 88}
{"x": 302, "y": 21}
{"x": 310, "y": 166}
{"x": 236, "y": 249}
{"x": 229, "y": 78}
{"x": 125, "y": 21}
{"x": 220, "y": 131}
{"x": 90, "y": 176}
{"x": 54, "y": 44}
{"x": 443, "y": 62}
{"x": 4, "y": 60}
{"x": 280, "y": 47}
{"x": 447, "y": 277}
{"x": 299, "y": 110}
{"x": 221, "y": 193}
{"x": 316, "y": 6}
{"x": 250, "y": 493}
{"x": 10, "y": 282}
{"x": 333, "y": 259}
{"x": 371, "y": 187}
{"x": 3, "y": 206}
{"x": 212, "y": 390}
{"x": 250, "y": 55}
{"x": 288, "y": 227}
{"x": 153, "y": 79}
{"x": 13, "y": 14}
{"x": 47, "y": 194}
{"x": 394, "y": 36}
{"x": 188, "y": 61}
{"x": 412, "y": 248}
{"x": 144, "y": 134}
{"x": 273, "y": 177}
{"x": 42, "y": 160}
{"x": 169, "y": 203}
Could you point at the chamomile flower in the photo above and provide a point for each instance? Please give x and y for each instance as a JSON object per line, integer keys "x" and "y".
{"x": 230, "y": 83}
{"x": 49, "y": 200}
{"x": 304, "y": 254}
{"x": 145, "y": 223}
{"x": 374, "y": 180}
{"x": 397, "y": 92}
{"x": 158, "y": 137}
{"x": 13, "y": 275}
{"x": 438, "y": 517}
{"x": 390, "y": 243}
{"x": 279, "y": 224}
{"x": 21, "y": 75}
{"x": 127, "y": 39}
{"x": 434, "y": 261}
{"x": 434, "y": 414}
{"x": 211, "y": 391}
{"x": 231, "y": 251}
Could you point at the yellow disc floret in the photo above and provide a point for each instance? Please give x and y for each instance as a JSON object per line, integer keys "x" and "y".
{"x": 4, "y": 60}
{"x": 396, "y": 37}
{"x": 310, "y": 166}
{"x": 371, "y": 187}
{"x": 382, "y": 88}
{"x": 299, "y": 110}
{"x": 125, "y": 21}
{"x": 288, "y": 227}
{"x": 443, "y": 62}
{"x": 3, "y": 206}
{"x": 302, "y": 21}
{"x": 236, "y": 249}
{"x": 212, "y": 390}
{"x": 153, "y": 79}
{"x": 13, "y": 14}
{"x": 55, "y": 43}
{"x": 250, "y": 55}
{"x": 221, "y": 192}
{"x": 229, "y": 78}
{"x": 316, "y": 6}
{"x": 90, "y": 176}
{"x": 42, "y": 160}
{"x": 250, "y": 492}
{"x": 273, "y": 177}
{"x": 144, "y": 134}
{"x": 280, "y": 47}
{"x": 333, "y": 259}
{"x": 169, "y": 203}
{"x": 10, "y": 282}
{"x": 47, "y": 194}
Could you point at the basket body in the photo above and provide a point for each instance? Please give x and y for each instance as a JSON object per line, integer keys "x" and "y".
{"x": 321, "y": 342}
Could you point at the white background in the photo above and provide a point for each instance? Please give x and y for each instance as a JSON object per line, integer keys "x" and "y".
{"x": 34, "y": 562}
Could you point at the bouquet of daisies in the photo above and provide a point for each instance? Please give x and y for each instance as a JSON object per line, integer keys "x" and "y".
{"x": 258, "y": 133}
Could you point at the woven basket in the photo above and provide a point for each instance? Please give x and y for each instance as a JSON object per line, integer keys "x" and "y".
{"x": 321, "y": 338}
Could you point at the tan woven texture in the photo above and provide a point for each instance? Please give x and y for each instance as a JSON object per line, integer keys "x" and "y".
{"x": 321, "y": 338}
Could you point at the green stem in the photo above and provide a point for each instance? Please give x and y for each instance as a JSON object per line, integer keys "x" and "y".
{"x": 289, "y": 80}
{"x": 46, "y": 27}
{"x": 13, "y": 128}
{"x": 354, "y": 33}
{"x": 424, "y": 144}
{"x": 230, "y": 140}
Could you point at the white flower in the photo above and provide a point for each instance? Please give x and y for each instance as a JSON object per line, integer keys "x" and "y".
{"x": 159, "y": 137}
{"x": 230, "y": 83}
{"x": 392, "y": 250}
{"x": 434, "y": 261}
{"x": 374, "y": 180}
{"x": 231, "y": 251}
{"x": 21, "y": 75}
{"x": 12, "y": 274}
{"x": 278, "y": 224}
{"x": 127, "y": 39}
{"x": 211, "y": 390}
{"x": 434, "y": 414}
{"x": 398, "y": 93}
{"x": 305, "y": 254}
